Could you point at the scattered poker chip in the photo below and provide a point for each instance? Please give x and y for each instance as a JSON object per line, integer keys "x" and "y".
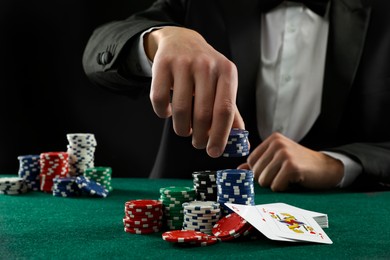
{"x": 231, "y": 227}
{"x": 237, "y": 144}
{"x": 91, "y": 187}
{"x": 13, "y": 186}
{"x": 182, "y": 236}
{"x": 189, "y": 238}
{"x": 65, "y": 187}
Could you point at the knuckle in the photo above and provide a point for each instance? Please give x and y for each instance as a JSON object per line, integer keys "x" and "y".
{"x": 225, "y": 108}
{"x": 180, "y": 109}
{"x": 203, "y": 115}
{"x": 228, "y": 68}
{"x": 251, "y": 161}
{"x": 156, "y": 98}
{"x": 183, "y": 62}
{"x": 204, "y": 63}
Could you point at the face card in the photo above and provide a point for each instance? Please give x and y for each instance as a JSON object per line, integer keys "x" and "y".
{"x": 293, "y": 225}
{"x": 256, "y": 219}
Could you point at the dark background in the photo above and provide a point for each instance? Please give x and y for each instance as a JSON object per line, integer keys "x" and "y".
{"x": 45, "y": 93}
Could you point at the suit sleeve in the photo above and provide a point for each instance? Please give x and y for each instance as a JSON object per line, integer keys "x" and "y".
{"x": 374, "y": 158}
{"x": 109, "y": 44}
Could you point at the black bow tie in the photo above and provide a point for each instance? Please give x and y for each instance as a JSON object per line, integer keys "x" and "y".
{"x": 317, "y": 6}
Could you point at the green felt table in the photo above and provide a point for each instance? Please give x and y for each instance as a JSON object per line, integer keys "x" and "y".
{"x": 37, "y": 225}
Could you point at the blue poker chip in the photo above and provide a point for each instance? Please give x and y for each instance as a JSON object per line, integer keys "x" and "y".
{"x": 238, "y": 132}
{"x": 91, "y": 187}
{"x": 235, "y": 154}
{"x": 237, "y": 144}
{"x": 234, "y": 172}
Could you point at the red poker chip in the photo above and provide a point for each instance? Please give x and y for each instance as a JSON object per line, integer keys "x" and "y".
{"x": 54, "y": 155}
{"x": 149, "y": 216}
{"x": 141, "y": 230}
{"x": 183, "y": 236}
{"x": 143, "y": 204}
{"x": 232, "y": 225}
{"x": 210, "y": 240}
{"x": 142, "y": 220}
{"x": 144, "y": 226}
{"x": 142, "y": 211}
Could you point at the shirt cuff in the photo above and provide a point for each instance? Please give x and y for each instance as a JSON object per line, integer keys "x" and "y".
{"x": 352, "y": 169}
{"x": 138, "y": 63}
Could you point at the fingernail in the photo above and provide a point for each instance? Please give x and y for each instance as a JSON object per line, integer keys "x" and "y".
{"x": 214, "y": 152}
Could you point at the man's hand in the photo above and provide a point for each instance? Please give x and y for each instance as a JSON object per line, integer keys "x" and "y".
{"x": 204, "y": 84}
{"x": 279, "y": 162}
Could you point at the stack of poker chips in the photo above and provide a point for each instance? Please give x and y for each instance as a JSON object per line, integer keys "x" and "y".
{"x": 29, "y": 169}
{"x": 172, "y": 199}
{"x": 13, "y": 186}
{"x": 143, "y": 216}
{"x": 101, "y": 175}
{"x": 205, "y": 185}
{"x": 232, "y": 226}
{"x": 65, "y": 187}
{"x": 238, "y": 144}
{"x": 189, "y": 238}
{"x": 235, "y": 186}
{"x": 81, "y": 149}
{"x": 90, "y": 187}
{"x": 53, "y": 164}
{"x": 201, "y": 215}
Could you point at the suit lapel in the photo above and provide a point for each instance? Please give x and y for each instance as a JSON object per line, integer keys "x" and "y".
{"x": 347, "y": 31}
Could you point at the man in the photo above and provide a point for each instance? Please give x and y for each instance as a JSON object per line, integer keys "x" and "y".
{"x": 310, "y": 80}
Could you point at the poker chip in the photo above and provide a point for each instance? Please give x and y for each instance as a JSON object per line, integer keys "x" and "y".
{"x": 235, "y": 186}
{"x": 102, "y": 175}
{"x": 12, "y": 186}
{"x": 91, "y": 187}
{"x": 205, "y": 185}
{"x": 201, "y": 215}
{"x": 29, "y": 170}
{"x": 52, "y": 164}
{"x": 237, "y": 144}
{"x": 189, "y": 237}
{"x": 172, "y": 199}
{"x": 81, "y": 150}
{"x": 231, "y": 226}
{"x": 65, "y": 187}
{"x": 143, "y": 216}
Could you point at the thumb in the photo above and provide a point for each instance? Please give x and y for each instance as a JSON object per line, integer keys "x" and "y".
{"x": 238, "y": 122}
{"x": 243, "y": 166}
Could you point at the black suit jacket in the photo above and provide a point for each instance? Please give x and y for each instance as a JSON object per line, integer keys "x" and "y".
{"x": 354, "y": 118}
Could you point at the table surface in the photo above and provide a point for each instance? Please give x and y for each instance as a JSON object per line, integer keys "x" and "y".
{"x": 37, "y": 225}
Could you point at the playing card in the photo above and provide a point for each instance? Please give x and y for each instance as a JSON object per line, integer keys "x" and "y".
{"x": 293, "y": 225}
{"x": 256, "y": 219}
{"x": 283, "y": 222}
{"x": 320, "y": 218}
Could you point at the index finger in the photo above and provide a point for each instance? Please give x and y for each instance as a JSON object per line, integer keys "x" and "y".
{"x": 224, "y": 109}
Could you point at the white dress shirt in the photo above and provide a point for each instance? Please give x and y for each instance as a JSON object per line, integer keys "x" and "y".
{"x": 289, "y": 88}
